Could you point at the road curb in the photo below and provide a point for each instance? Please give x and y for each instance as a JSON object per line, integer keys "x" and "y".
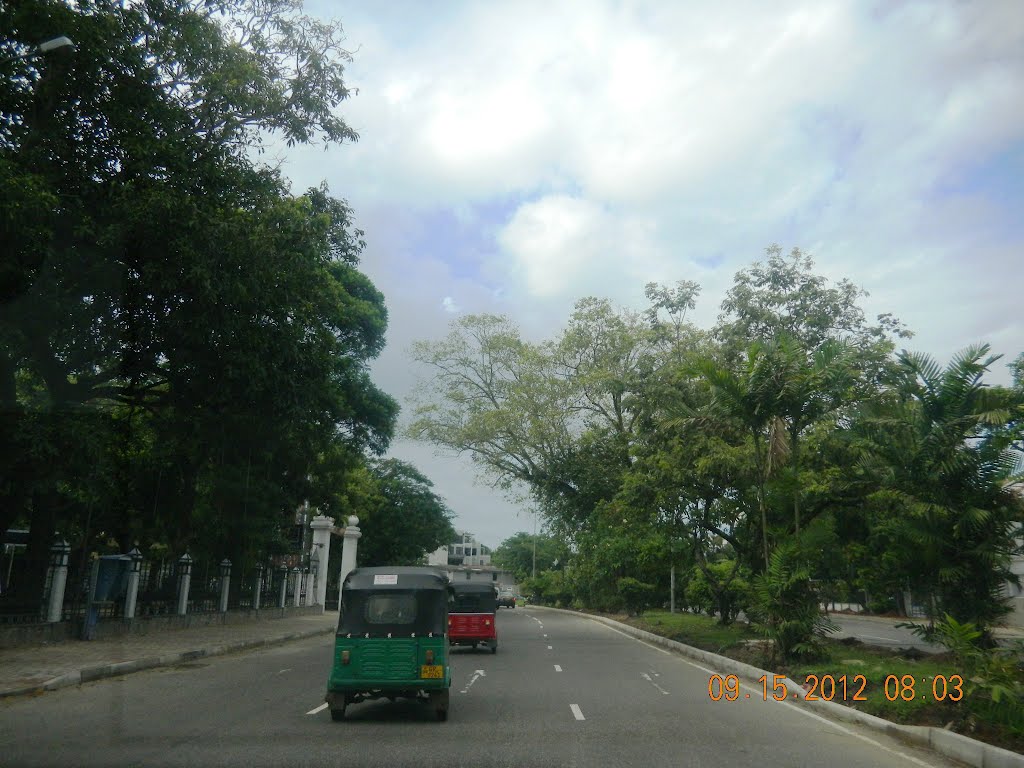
{"x": 90, "y": 674}
{"x": 957, "y": 746}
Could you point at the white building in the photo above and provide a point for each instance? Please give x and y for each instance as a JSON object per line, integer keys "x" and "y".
{"x": 466, "y": 550}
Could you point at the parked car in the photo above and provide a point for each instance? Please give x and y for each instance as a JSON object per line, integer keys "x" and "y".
{"x": 507, "y": 598}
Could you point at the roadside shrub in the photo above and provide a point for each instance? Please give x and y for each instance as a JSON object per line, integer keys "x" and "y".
{"x": 786, "y": 609}
{"x": 549, "y": 588}
{"x": 636, "y": 595}
{"x": 993, "y": 676}
{"x": 726, "y": 594}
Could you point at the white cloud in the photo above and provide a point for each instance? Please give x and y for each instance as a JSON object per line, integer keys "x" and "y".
{"x": 659, "y": 141}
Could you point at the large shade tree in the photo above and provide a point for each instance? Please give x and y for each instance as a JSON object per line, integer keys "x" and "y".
{"x": 167, "y": 305}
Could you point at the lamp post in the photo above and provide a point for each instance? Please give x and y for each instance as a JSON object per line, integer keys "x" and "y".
{"x": 62, "y": 43}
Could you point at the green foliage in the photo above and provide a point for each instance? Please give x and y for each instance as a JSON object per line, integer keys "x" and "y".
{"x": 636, "y": 595}
{"x": 549, "y": 588}
{"x": 401, "y": 518}
{"x": 721, "y": 590}
{"x": 939, "y": 453}
{"x": 164, "y": 296}
{"x": 994, "y": 691}
{"x": 516, "y": 554}
{"x": 785, "y": 606}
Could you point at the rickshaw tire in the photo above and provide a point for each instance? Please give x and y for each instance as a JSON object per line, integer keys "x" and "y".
{"x": 494, "y": 648}
{"x": 338, "y": 713}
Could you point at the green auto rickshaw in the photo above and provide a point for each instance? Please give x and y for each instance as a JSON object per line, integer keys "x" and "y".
{"x": 391, "y": 640}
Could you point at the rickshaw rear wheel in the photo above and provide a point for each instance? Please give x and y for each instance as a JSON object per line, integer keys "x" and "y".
{"x": 338, "y": 713}
{"x": 494, "y": 648}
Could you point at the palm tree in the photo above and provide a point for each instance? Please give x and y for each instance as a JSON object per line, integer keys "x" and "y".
{"x": 941, "y": 451}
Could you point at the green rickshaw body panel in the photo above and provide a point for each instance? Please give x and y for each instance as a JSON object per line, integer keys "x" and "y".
{"x": 388, "y": 663}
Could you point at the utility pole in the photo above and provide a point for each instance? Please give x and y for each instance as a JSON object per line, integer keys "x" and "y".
{"x": 535, "y": 543}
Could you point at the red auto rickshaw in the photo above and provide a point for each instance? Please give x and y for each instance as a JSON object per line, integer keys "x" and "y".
{"x": 471, "y": 616}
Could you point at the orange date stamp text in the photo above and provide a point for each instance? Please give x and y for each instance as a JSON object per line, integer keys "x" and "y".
{"x": 840, "y": 688}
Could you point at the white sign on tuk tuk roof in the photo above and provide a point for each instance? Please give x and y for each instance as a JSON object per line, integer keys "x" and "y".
{"x": 385, "y": 578}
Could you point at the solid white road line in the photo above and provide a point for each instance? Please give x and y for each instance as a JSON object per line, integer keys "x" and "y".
{"x": 795, "y": 707}
{"x": 321, "y": 708}
{"x": 660, "y": 650}
{"x": 557, "y": 668}
{"x": 576, "y": 712}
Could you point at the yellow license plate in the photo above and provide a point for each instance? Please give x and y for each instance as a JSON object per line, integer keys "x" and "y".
{"x": 432, "y": 671}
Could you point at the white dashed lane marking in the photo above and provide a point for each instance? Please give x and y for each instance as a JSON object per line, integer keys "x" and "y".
{"x": 650, "y": 680}
{"x": 576, "y": 712}
{"x": 321, "y": 708}
{"x": 558, "y": 668}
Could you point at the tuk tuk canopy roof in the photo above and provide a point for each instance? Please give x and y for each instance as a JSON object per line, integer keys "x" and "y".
{"x": 397, "y": 577}
{"x": 469, "y": 587}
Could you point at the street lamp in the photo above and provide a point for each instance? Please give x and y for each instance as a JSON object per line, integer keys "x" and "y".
{"x": 57, "y": 44}
{"x": 62, "y": 44}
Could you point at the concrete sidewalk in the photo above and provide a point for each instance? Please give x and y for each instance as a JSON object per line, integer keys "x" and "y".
{"x": 46, "y": 667}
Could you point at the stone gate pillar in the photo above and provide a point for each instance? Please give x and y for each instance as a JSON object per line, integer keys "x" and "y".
{"x": 348, "y": 552}
{"x": 322, "y": 527}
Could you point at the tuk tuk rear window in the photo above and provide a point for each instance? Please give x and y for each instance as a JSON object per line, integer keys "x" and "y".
{"x": 381, "y": 612}
{"x": 474, "y": 602}
{"x": 390, "y": 608}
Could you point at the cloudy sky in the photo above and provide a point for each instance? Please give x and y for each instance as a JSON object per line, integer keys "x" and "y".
{"x": 515, "y": 157}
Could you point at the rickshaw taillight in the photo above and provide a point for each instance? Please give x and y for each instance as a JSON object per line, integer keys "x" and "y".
{"x": 487, "y": 622}
{"x": 345, "y": 657}
{"x": 430, "y": 656}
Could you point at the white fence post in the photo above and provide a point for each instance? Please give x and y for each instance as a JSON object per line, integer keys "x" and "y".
{"x": 184, "y": 582}
{"x": 257, "y": 587}
{"x": 225, "y": 584}
{"x": 58, "y": 580}
{"x": 131, "y": 599}
{"x": 296, "y": 586}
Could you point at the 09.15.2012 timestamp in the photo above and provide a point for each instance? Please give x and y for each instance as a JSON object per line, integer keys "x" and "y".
{"x": 842, "y": 688}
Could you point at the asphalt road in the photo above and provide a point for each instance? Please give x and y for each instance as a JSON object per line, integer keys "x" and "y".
{"x": 561, "y": 691}
{"x": 881, "y": 632}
